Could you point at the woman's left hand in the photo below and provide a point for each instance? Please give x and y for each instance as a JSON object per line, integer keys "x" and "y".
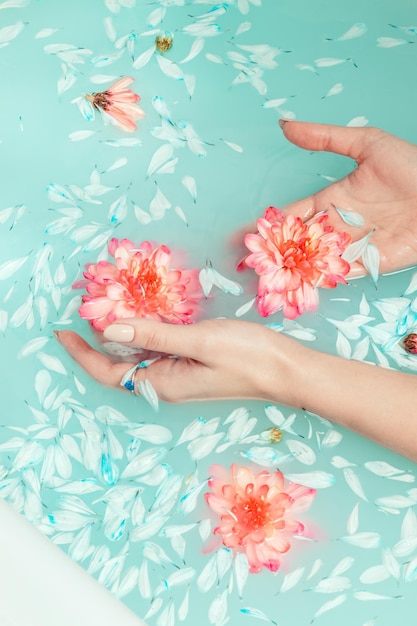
{"x": 216, "y": 359}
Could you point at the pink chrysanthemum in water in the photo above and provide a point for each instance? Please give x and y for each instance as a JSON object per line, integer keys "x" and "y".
{"x": 140, "y": 283}
{"x": 292, "y": 259}
{"x": 257, "y": 512}
{"x": 119, "y": 103}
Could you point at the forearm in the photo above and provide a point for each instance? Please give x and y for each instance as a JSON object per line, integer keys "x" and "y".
{"x": 379, "y": 403}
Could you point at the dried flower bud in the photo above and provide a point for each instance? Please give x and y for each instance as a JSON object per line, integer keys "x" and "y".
{"x": 164, "y": 42}
{"x": 409, "y": 343}
{"x": 272, "y": 435}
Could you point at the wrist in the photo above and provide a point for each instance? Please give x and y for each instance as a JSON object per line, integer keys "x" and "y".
{"x": 286, "y": 372}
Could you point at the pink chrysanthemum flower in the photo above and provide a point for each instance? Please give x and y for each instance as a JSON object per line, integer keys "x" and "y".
{"x": 256, "y": 512}
{"x": 292, "y": 259}
{"x": 141, "y": 283}
{"x": 119, "y": 103}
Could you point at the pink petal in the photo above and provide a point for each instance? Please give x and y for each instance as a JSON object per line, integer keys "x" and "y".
{"x": 122, "y": 83}
{"x": 96, "y": 308}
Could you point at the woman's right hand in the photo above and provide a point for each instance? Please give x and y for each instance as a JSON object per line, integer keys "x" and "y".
{"x": 382, "y": 188}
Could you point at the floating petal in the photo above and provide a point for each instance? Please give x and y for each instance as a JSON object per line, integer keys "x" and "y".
{"x": 144, "y": 58}
{"x": 333, "y": 584}
{"x": 8, "y": 33}
{"x": 191, "y": 186}
{"x": 395, "y": 502}
{"x": 357, "y": 30}
{"x": 301, "y": 451}
{"x": 390, "y": 42}
{"x": 343, "y": 566}
{"x": 315, "y": 480}
{"x": 79, "y": 135}
{"x": 14, "y": 4}
{"x": 155, "y": 17}
{"x": 217, "y": 613}
{"x": 335, "y": 90}
{"x": 159, "y": 204}
{"x": 153, "y": 433}
{"x": 252, "y": 612}
{"x": 292, "y": 579}
{"x": 351, "y": 217}
{"x": 329, "y": 605}
{"x": 206, "y": 279}
{"x": 354, "y": 483}
{"x": 374, "y": 574}
{"x": 272, "y": 104}
{"x": 353, "y": 520}
{"x": 125, "y": 142}
{"x": 370, "y": 259}
{"x": 203, "y": 446}
{"x": 9, "y": 268}
{"x": 142, "y": 216}
{"x": 52, "y": 363}
{"x": 368, "y": 540}
{"x": 359, "y": 121}
{"x": 355, "y": 250}
{"x": 233, "y": 146}
{"x": 170, "y": 68}
{"x": 328, "y": 62}
{"x": 159, "y": 158}
{"x": 367, "y": 595}
{"x": 196, "y": 48}
{"x": 241, "y": 569}
{"x": 225, "y": 284}
{"x": 242, "y": 310}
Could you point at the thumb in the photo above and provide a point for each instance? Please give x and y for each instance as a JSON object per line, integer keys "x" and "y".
{"x": 345, "y": 140}
{"x": 177, "y": 339}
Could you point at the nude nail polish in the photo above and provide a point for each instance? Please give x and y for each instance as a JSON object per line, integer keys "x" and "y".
{"x": 123, "y": 333}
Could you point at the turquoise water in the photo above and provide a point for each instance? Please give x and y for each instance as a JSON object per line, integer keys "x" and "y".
{"x": 65, "y": 441}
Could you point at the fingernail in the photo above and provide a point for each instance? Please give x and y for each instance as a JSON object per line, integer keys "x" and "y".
{"x": 56, "y": 333}
{"x": 119, "y": 332}
{"x": 282, "y": 122}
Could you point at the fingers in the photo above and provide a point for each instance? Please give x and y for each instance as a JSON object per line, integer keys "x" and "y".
{"x": 177, "y": 339}
{"x": 96, "y": 364}
{"x": 174, "y": 380}
{"x": 349, "y": 141}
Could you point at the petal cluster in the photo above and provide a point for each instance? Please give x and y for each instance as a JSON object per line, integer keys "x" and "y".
{"x": 120, "y": 103}
{"x": 140, "y": 283}
{"x": 257, "y": 512}
{"x": 292, "y": 259}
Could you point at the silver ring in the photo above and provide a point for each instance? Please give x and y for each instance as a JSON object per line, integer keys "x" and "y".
{"x": 128, "y": 379}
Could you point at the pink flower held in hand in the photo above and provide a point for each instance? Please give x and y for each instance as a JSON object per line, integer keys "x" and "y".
{"x": 292, "y": 259}
{"x": 139, "y": 284}
{"x": 256, "y": 512}
{"x": 119, "y": 103}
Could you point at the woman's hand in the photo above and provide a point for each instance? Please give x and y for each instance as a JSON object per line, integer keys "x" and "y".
{"x": 382, "y": 189}
{"x": 223, "y": 359}
{"x": 217, "y": 359}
